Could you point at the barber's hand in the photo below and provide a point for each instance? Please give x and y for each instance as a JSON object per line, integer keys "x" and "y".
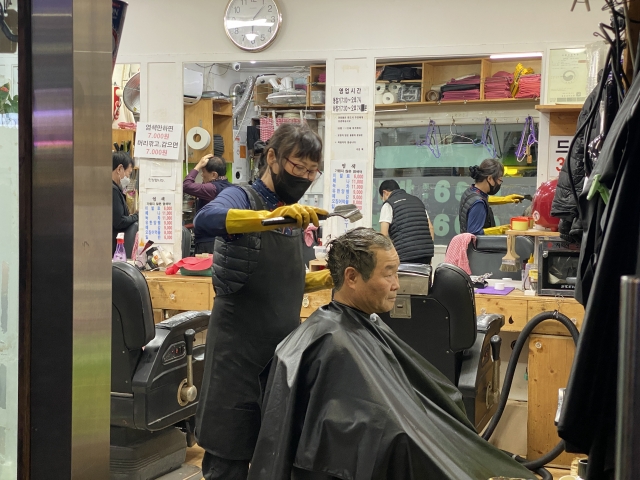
{"x": 203, "y": 161}
{"x": 513, "y": 198}
{"x": 248, "y": 221}
{"x": 500, "y": 230}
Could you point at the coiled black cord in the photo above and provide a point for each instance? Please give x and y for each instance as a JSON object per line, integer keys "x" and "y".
{"x": 538, "y": 464}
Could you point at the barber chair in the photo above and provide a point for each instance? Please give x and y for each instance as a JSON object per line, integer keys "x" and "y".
{"x": 439, "y": 321}
{"x": 486, "y": 255}
{"x": 156, "y": 372}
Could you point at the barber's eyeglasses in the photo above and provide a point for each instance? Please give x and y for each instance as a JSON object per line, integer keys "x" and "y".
{"x": 301, "y": 171}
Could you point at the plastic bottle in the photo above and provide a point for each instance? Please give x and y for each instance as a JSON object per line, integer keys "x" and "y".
{"x": 120, "y": 255}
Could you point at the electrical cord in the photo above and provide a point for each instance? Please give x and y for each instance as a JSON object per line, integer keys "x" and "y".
{"x": 538, "y": 464}
{"x": 5, "y": 28}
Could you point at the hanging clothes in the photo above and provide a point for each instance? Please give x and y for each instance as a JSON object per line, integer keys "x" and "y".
{"x": 609, "y": 250}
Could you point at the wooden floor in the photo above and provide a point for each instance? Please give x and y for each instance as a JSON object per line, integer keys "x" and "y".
{"x": 194, "y": 457}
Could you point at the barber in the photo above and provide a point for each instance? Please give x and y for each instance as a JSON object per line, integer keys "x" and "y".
{"x": 475, "y": 213}
{"x": 259, "y": 280}
{"x": 214, "y": 181}
{"x": 121, "y": 220}
{"x": 404, "y": 219}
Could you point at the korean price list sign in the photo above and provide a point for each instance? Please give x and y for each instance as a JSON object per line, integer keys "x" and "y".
{"x": 347, "y": 183}
{"x": 158, "y": 217}
{"x": 350, "y": 99}
{"x": 158, "y": 140}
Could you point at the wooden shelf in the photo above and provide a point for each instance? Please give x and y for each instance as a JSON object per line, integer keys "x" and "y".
{"x": 458, "y": 102}
{"x": 534, "y": 233}
{"x": 559, "y": 108}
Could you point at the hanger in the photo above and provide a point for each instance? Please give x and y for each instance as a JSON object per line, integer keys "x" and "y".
{"x": 430, "y": 140}
{"x": 525, "y": 150}
{"x": 487, "y": 135}
{"x": 449, "y": 138}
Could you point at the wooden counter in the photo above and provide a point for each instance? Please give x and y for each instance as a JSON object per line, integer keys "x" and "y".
{"x": 550, "y": 349}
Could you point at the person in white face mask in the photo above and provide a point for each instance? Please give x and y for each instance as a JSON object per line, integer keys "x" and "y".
{"x": 122, "y": 168}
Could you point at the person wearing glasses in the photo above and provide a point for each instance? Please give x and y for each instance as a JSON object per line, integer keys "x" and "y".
{"x": 259, "y": 280}
{"x": 475, "y": 213}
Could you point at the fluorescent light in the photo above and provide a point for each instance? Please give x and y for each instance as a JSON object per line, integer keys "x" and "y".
{"x": 516, "y": 55}
{"x": 252, "y": 61}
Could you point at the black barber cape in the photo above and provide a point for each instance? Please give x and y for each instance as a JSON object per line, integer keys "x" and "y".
{"x": 345, "y": 396}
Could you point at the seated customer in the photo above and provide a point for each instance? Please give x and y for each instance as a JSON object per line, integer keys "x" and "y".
{"x": 213, "y": 171}
{"x": 346, "y": 398}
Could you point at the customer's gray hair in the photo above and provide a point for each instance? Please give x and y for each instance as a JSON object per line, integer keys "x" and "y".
{"x": 355, "y": 249}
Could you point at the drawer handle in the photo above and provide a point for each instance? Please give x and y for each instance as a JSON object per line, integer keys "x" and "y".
{"x": 305, "y": 301}
{"x": 483, "y": 311}
{"x": 172, "y": 296}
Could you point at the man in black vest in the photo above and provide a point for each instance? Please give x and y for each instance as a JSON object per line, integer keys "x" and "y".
{"x": 404, "y": 219}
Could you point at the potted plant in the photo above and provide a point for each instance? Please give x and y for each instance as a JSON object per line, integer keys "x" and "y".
{"x": 8, "y": 105}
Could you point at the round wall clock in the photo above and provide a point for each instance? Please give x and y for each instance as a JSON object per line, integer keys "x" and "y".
{"x": 252, "y": 24}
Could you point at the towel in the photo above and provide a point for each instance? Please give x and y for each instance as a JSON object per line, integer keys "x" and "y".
{"x": 457, "y": 251}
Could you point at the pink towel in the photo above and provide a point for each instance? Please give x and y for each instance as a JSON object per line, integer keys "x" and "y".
{"x": 457, "y": 251}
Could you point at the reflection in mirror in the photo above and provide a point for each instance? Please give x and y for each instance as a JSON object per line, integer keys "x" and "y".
{"x": 9, "y": 239}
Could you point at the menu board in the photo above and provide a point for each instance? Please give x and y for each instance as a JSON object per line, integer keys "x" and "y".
{"x": 157, "y": 217}
{"x": 347, "y": 183}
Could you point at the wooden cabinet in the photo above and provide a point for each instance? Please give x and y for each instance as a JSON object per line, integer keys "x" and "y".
{"x": 316, "y": 82}
{"x": 437, "y": 72}
{"x": 126, "y": 138}
{"x": 216, "y": 117}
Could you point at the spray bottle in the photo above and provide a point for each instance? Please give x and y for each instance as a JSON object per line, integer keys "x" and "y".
{"x": 120, "y": 255}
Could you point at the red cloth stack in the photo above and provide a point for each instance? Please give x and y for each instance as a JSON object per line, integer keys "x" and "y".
{"x": 322, "y": 78}
{"x": 529, "y": 86}
{"x": 498, "y": 86}
{"x": 471, "y": 93}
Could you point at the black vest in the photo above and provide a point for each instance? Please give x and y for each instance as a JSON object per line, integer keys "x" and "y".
{"x": 220, "y": 185}
{"x": 469, "y": 197}
{"x": 409, "y": 230}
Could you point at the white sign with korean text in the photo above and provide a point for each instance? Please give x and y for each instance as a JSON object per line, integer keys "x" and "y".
{"x": 158, "y": 140}
{"x": 158, "y": 175}
{"x": 558, "y": 149}
{"x": 349, "y": 137}
{"x": 157, "y": 212}
{"x": 349, "y": 99}
{"x": 347, "y": 183}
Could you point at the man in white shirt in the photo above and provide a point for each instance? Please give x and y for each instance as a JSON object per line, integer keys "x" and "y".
{"x": 404, "y": 219}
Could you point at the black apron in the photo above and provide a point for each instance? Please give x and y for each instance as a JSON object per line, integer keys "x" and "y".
{"x": 244, "y": 330}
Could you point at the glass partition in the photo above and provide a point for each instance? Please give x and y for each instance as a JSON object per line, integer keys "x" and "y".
{"x": 436, "y": 170}
{"x": 9, "y": 231}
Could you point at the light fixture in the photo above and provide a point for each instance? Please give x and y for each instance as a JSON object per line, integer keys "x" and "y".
{"x": 252, "y": 61}
{"x": 516, "y": 55}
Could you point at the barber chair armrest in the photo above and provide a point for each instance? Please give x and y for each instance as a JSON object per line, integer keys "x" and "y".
{"x": 163, "y": 368}
{"x": 489, "y": 321}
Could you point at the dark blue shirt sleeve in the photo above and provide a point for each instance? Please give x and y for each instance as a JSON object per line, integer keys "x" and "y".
{"x": 210, "y": 221}
{"x": 476, "y": 217}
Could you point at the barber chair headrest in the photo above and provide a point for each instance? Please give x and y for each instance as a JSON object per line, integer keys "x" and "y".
{"x": 414, "y": 278}
{"x": 131, "y": 298}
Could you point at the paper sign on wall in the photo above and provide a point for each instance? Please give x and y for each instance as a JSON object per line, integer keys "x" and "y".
{"x": 158, "y": 140}
{"x": 349, "y": 137}
{"x": 558, "y": 149}
{"x": 157, "y": 217}
{"x": 158, "y": 174}
{"x": 347, "y": 183}
{"x": 350, "y": 99}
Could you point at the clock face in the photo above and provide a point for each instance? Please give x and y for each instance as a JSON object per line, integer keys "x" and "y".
{"x": 252, "y": 24}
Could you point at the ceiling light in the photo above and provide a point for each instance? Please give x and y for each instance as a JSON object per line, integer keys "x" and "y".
{"x": 516, "y": 55}
{"x": 252, "y": 61}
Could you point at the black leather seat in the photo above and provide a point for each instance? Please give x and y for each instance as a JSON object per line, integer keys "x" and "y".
{"x": 130, "y": 238}
{"x": 148, "y": 368}
{"x": 486, "y": 255}
{"x": 438, "y": 320}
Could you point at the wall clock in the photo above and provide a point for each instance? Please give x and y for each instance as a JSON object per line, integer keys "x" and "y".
{"x": 252, "y": 25}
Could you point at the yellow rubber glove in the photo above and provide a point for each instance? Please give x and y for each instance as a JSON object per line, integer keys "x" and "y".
{"x": 513, "y": 198}
{"x": 320, "y": 280}
{"x": 500, "y": 230}
{"x": 249, "y": 221}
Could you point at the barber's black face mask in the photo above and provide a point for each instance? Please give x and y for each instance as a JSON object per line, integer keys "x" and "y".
{"x": 493, "y": 189}
{"x": 289, "y": 188}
